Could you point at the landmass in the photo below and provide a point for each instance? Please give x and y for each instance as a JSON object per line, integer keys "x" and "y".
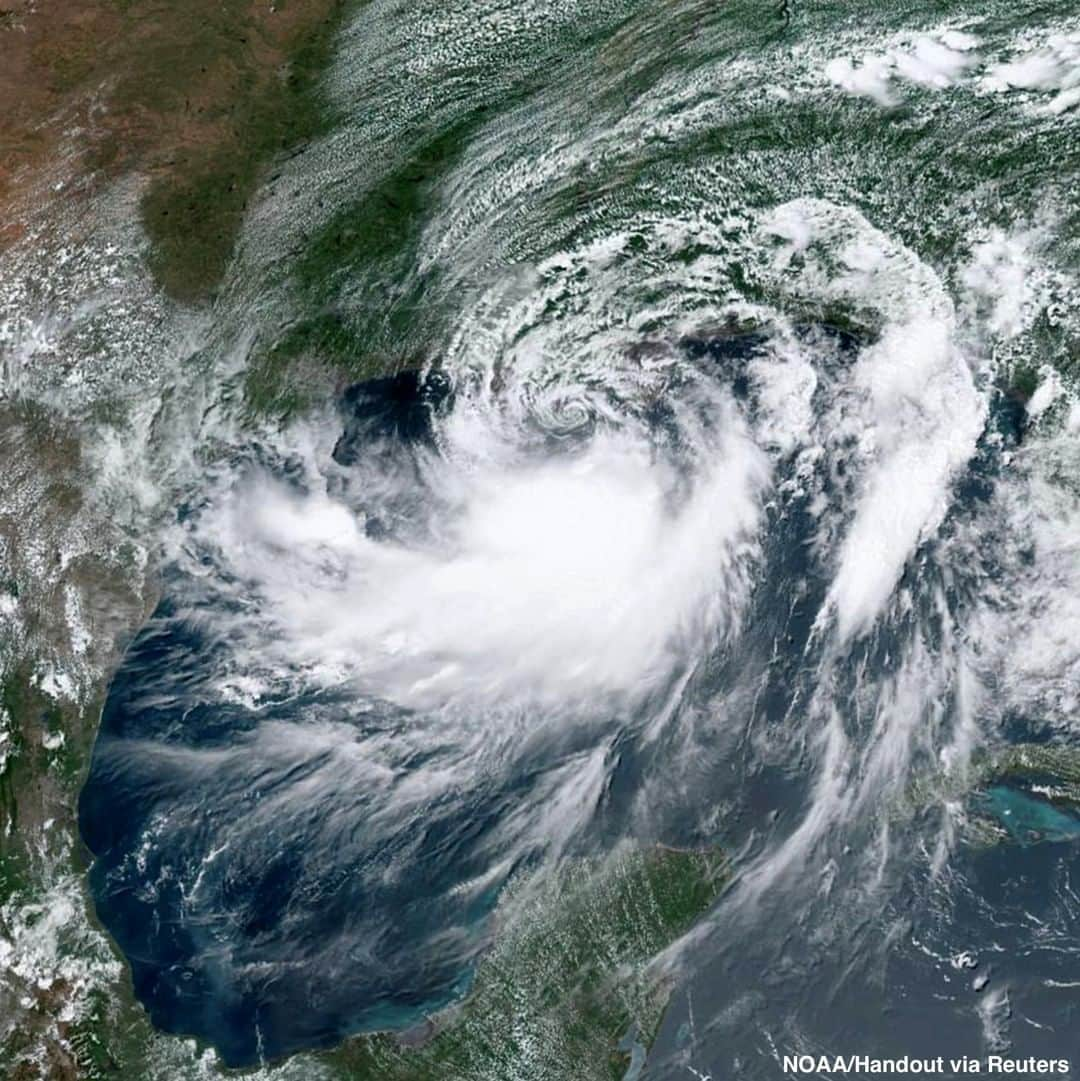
{"x": 196, "y": 99}
{"x": 569, "y": 989}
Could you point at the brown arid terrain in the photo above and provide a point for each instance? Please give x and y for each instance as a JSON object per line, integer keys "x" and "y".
{"x": 194, "y": 98}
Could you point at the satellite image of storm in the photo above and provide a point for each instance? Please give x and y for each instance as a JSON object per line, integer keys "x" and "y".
{"x": 539, "y": 540}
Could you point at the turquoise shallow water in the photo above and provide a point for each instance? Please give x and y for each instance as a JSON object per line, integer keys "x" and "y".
{"x": 1029, "y": 819}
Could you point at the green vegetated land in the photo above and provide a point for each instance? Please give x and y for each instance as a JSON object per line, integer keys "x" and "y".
{"x": 45, "y": 740}
{"x": 44, "y": 753}
{"x": 46, "y": 737}
{"x": 897, "y": 160}
{"x": 563, "y": 993}
{"x": 567, "y": 980}
{"x": 1053, "y": 766}
{"x": 374, "y": 234}
{"x": 194, "y": 207}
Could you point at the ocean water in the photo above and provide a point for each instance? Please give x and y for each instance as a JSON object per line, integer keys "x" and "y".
{"x": 706, "y": 473}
